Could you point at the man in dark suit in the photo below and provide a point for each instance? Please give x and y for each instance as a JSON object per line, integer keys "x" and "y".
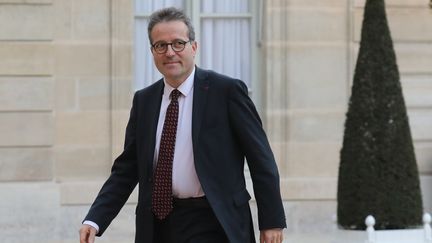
{"x": 186, "y": 142}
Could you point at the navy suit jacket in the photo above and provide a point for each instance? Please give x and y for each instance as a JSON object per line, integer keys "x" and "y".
{"x": 226, "y": 129}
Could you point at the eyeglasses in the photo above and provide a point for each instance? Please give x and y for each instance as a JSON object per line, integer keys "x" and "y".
{"x": 177, "y": 46}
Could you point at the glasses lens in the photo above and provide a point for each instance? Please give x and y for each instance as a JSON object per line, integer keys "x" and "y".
{"x": 178, "y": 45}
{"x": 160, "y": 47}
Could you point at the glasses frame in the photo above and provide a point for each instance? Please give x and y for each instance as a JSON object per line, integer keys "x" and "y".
{"x": 183, "y": 42}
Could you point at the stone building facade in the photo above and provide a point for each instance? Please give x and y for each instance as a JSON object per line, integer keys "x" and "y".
{"x": 66, "y": 72}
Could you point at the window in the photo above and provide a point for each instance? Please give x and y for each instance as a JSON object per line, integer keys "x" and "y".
{"x": 225, "y": 31}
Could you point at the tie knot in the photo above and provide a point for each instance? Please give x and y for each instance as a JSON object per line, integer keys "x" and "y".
{"x": 175, "y": 94}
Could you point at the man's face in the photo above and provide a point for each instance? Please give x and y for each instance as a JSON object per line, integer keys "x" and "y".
{"x": 174, "y": 66}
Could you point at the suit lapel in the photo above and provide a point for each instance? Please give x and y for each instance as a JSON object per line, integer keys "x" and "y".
{"x": 201, "y": 88}
{"x": 153, "y": 110}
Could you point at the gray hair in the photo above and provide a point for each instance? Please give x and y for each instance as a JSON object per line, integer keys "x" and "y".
{"x": 170, "y": 14}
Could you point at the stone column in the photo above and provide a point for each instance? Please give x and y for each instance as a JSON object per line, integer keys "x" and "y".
{"x": 276, "y": 76}
{"x": 122, "y": 28}
{"x": 26, "y": 91}
{"x": 305, "y": 95}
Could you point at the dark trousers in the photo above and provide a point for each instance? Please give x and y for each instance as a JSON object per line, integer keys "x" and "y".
{"x": 191, "y": 221}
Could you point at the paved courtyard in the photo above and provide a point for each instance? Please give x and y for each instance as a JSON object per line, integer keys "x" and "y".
{"x": 32, "y": 213}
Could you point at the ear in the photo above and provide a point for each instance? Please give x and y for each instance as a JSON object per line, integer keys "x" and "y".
{"x": 194, "y": 45}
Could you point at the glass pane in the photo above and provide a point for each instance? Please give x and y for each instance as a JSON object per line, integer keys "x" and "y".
{"x": 226, "y": 47}
{"x": 148, "y": 6}
{"x": 145, "y": 72}
{"x": 225, "y": 6}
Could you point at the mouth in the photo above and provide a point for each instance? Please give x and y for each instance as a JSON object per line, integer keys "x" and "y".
{"x": 171, "y": 63}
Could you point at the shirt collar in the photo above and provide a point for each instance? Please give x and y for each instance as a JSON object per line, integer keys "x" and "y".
{"x": 185, "y": 88}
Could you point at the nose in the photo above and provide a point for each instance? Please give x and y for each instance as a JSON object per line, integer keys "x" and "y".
{"x": 170, "y": 51}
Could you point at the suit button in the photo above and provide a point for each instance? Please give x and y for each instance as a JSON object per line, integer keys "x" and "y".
{"x": 150, "y": 180}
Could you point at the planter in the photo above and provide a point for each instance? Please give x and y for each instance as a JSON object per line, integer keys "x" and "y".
{"x": 415, "y": 235}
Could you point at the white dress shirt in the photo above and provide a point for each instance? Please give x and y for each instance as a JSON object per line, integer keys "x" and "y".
{"x": 184, "y": 177}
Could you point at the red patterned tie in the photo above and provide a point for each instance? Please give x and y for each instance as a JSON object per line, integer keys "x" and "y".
{"x": 162, "y": 188}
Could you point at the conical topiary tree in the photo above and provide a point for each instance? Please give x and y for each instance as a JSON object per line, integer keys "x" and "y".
{"x": 378, "y": 172}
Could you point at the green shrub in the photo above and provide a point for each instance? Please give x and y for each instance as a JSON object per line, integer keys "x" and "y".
{"x": 378, "y": 172}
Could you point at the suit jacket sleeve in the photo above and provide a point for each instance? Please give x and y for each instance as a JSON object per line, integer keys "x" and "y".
{"x": 253, "y": 140}
{"x": 120, "y": 184}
